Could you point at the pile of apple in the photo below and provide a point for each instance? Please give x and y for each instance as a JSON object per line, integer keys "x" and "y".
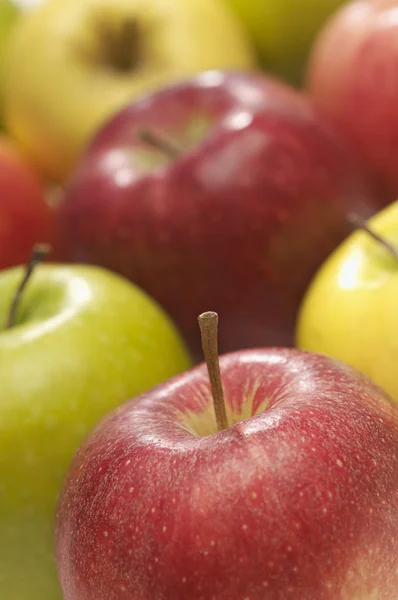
{"x": 198, "y": 300}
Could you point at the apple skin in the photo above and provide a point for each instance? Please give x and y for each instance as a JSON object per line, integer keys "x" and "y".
{"x": 9, "y": 14}
{"x": 349, "y": 311}
{"x": 297, "y": 499}
{"x": 54, "y": 101}
{"x": 352, "y": 77}
{"x": 239, "y": 222}
{"x": 84, "y": 341}
{"x": 283, "y": 32}
{"x": 26, "y": 217}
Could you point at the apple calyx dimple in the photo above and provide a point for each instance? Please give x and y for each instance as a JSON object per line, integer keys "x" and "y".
{"x": 117, "y": 46}
{"x": 208, "y": 323}
{"x": 360, "y": 223}
{"x": 39, "y": 252}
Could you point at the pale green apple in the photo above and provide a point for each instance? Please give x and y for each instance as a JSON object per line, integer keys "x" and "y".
{"x": 350, "y": 311}
{"x": 283, "y": 31}
{"x": 72, "y": 64}
{"x": 84, "y": 341}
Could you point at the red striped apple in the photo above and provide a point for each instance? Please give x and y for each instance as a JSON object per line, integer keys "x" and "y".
{"x": 234, "y": 205}
{"x": 353, "y": 77}
{"x": 294, "y": 497}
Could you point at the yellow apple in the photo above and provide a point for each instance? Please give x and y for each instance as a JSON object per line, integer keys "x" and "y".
{"x": 350, "y": 310}
{"x": 73, "y": 63}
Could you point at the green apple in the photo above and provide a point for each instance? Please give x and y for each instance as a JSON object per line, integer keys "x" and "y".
{"x": 9, "y": 12}
{"x": 72, "y": 64}
{"x": 83, "y": 341}
{"x": 283, "y": 31}
{"x": 350, "y": 310}
{"x": 8, "y": 15}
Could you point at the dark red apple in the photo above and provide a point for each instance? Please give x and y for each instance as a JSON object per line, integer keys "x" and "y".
{"x": 234, "y": 206}
{"x": 26, "y": 217}
{"x": 353, "y": 77}
{"x": 296, "y": 499}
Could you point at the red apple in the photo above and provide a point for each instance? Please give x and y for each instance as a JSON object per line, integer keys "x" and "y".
{"x": 297, "y": 498}
{"x": 235, "y": 206}
{"x": 25, "y": 215}
{"x": 353, "y": 77}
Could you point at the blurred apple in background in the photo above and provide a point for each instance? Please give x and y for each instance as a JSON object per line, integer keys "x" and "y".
{"x": 295, "y": 498}
{"x": 350, "y": 310}
{"x": 26, "y": 216}
{"x": 353, "y": 77}
{"x": 71, "y": 64}
{"x": 82, "y": 341}
{"x": 283, "y": 30}
{"x": 28, "y": 4}
{"x": 9, "y": 13}
{"x": 226, "y": 207}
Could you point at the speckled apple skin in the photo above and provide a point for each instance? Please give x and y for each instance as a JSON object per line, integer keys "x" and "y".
{"x": 297, "y": 502}
{"x": 238, "y": 224}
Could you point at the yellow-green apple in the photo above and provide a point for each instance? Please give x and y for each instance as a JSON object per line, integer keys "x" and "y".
{"x": 25, "y": 214}
{"x": 283, "y": 31}
{"x": 349, "y": 310}
{"x": 72, "y": 64}
{"x": 82, "y": 341}
{"x": 225, "y": 190}
{"x": 296, "y": 497}
{"x": 9, "y": 13}
{"x": 352, "y": 76}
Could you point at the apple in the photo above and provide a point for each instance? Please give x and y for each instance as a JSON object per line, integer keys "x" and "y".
{"x": 70, "y": 65}
{"x": 28, "y": 4}
{"x": 9, "y": 13}
{"x": 352, "y": 77}
{"x": 235, "y": 203}
{"x": 81, "y": 341}
{"x": 26, "y": 215}
{"x": 349, "y": 311}
{"x": 297, "y": 497}
{"x": 283, "y": 31}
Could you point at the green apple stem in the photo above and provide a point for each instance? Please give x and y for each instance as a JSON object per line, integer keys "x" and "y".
{"x": 360, "y": 223}
{"x": 208, "y": 323}
{"x": 161, "y": 142}
{"x": 39, "y": 252}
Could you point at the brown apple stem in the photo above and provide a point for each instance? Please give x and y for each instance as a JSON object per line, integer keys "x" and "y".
{"x": 39, "y": 252}
{"x": 160, "y": 142}
{"x": 208, "y": 323}
{"x": 360, "y": 223}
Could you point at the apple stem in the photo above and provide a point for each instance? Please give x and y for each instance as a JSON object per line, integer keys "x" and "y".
{"x": 160, "y": 142}
{"x": 39, "y": 252}
{"x": 208, "y": 323}
{"x": 360, "y": 223}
